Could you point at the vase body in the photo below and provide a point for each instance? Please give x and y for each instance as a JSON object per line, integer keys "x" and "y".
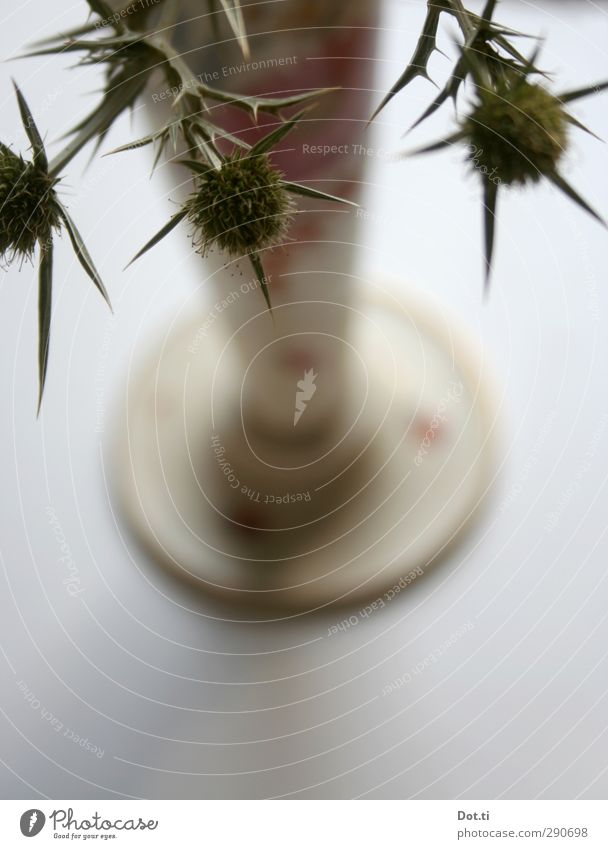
{"x": 285, "y": 395}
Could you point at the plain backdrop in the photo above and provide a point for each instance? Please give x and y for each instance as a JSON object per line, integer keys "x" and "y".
{"x": 137, "y": 687}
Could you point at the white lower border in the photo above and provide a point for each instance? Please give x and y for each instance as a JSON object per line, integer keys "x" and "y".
{"x": 307, "y": 824}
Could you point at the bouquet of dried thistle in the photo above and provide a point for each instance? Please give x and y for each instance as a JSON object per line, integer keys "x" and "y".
{"x": 516, "y": 131}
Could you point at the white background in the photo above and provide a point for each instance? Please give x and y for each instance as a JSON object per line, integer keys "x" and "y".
{"x": 183, "y": 699}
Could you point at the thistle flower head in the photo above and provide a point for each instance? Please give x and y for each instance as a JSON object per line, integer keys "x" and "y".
{"x": 518, "y": 133}
{"x": 241, "y": 203}
{"x": 243, "y": 207}
{"x": 28, "y": 213}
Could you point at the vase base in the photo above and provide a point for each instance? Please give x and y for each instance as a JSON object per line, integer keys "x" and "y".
{"x": 422, "y": 452}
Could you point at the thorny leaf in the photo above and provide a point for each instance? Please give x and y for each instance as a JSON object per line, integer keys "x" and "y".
{"x": 449, "y": 90}
{"x": 164, "y": 231}
{"x": 309, "y": 192}
{"x": 417, "y": 66}
{"x": 194, "y": 165}
{"x": 567, "y": 189}
{"x": 436, "y": 146}
{"x": 490, "y": 198}
{"x": 274, "y": 137}
{"x": 128, "y": 74}
{"x": 258, "y": 268}
{"x": 579, "y": 125}
{"x": 31, "y": 130}
{"x": 234, "y": 14}
{"x": 105, "y": 12}
{"x": 82, "y": 254}
{"x": 577, "y": 94}
{"x": 483, "y": 42}
{"x": 45, "y": 297}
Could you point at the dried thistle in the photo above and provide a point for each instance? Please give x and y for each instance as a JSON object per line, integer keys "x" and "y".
{"x": 517, "y": 131}
{"x": 27, "y": 206}
{"x": 242, "y": 207}
{"x": 130, "y": 54}
{"x": 30, "y": 214}
{"x": 241, "y": 203}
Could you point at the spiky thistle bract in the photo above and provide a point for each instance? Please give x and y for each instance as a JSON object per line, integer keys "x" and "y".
{"x": 31, "y": 214}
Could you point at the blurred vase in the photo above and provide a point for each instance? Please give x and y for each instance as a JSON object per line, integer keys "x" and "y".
{"x": 333, "y": 452}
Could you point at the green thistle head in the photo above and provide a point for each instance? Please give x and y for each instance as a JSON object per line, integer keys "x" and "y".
{"x": 242, "y": 207}
{"x": 27, "y": 210}
{"x": 518, "y": 134}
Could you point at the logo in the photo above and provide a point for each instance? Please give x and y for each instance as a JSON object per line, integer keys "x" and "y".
{"x": 32, "y": 822}
{"x": 306, "y": 389}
